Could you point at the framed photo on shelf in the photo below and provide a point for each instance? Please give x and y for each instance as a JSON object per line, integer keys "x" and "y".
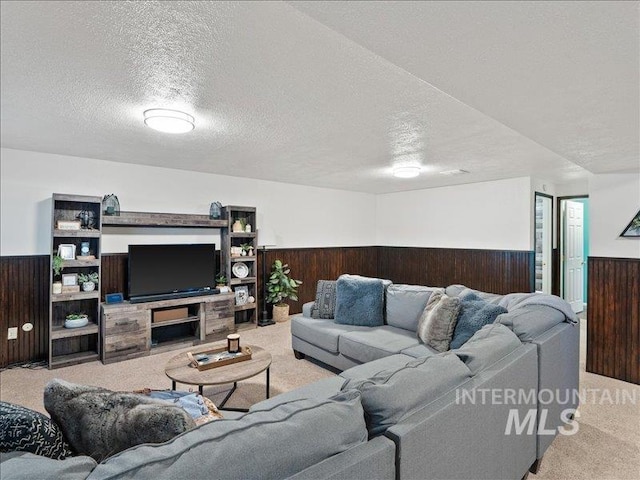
{"x": 242, "y": 294}
{"x": 67, "y": 251}
{"x": 69, "y": 279}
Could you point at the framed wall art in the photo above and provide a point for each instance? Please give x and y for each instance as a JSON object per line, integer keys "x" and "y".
{"x": 633, "y": 229}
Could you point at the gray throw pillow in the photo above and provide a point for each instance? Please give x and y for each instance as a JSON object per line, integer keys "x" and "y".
{"x": 98, "y": 422}
{"x": 438, "y": 321}
{"x": 325, "y": 304}
{"x": 474, "y": 314}
{"x": 359, "y": 301}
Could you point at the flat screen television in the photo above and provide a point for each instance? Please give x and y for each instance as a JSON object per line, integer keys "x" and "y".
{"x": 171, "y": 271}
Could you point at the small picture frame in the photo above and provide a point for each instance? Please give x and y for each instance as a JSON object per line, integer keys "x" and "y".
{"x": 68, "y": 225}
{"x": 67, "y": 251}
{"x": 69, "y": 279}
{"x": 242, "y": 295}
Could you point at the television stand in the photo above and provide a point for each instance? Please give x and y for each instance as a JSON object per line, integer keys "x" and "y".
{"x": 128, "y": 330}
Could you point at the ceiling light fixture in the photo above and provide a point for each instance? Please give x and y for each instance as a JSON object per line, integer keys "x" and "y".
{"x": 406, "y": 171}
{"x": 169, "y": 121}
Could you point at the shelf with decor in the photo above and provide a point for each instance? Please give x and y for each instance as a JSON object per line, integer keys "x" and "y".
{"x": 76, "y": 234}
{"x": 240, "y": 262}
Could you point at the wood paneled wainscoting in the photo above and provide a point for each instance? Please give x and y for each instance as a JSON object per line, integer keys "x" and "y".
{"x": 24, "y": 298}
{"x": 496, "y": 271}
{"x": 24, "y": 286}
{"x": 613, "y": 318}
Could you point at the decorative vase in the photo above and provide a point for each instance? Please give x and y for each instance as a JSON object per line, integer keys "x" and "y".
{"x": 251, "y": 252}
{"x": 56, "y": 288}
{"x": 247, "y": 228}
{"x": 215, "y": 211}
{"x": 110, "y": 205}
{"x": 281, "y": 312}
{"x": 88, "y": 286}
{"x": 237, "y": 226}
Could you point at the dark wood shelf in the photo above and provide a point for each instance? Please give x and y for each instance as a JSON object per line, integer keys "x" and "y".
{"x": 243, "y": 281}
{"x": 62, "y": 332}
{"x": 72, "y": 359}
{"x": 76, "y": 233}
{"x": 177, "y": 321}
{"x": 65, "y": 297}
{"x": 151, "y": 219}
{"x": 248, "y": 306}
{"x": 81, "y": 263}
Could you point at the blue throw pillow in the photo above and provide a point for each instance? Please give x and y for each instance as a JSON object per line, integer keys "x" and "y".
{"x": 359, "y": 301}
{"x": 474, "y": 314}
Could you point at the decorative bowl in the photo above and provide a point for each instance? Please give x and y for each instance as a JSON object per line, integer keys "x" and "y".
{"x": 76, "y": 322}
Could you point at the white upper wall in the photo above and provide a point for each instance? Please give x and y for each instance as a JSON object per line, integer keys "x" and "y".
{"x": 489, "y": 215}
{"x": 613, "y": 201}
{"x": 299, "y": 216}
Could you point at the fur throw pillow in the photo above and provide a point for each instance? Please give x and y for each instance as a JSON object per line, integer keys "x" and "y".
{"x": 100, "y": 423}
{"x": 438, "y": 321}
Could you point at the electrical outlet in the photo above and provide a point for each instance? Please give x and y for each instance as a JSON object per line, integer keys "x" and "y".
{"x": 12, "y": 333}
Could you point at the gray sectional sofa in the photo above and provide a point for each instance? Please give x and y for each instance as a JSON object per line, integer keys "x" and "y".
{"x": 396, "y": 410}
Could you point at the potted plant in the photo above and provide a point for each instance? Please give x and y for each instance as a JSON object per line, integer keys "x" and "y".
{"x": 279, "y": 288}
{"x": 88, "y": 281}
{"x": 56, "y": 265}
{"x": 246, "y": 247}
{"x": 221, "y": 280}
{"x": 76, "y": 320}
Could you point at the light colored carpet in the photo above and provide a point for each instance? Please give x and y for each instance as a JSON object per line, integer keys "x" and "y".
{"x": 607, "y": 445}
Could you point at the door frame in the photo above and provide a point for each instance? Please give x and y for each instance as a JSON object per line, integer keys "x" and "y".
{"x": 557, "y": 284}
{"x": 552, "y": 280}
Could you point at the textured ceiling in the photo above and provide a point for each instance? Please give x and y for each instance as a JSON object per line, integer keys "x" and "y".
{"x": 329, "y": 94}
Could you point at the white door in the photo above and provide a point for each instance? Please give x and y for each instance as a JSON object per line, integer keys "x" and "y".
{"x": 573, "y": 255}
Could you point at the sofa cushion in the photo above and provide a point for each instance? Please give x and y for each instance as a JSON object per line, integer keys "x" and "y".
{"x": 405, "y": 304}
{"x": 325, "y": 304}
{"x": 488, "y": 345}
{"x": 28, "y": 466}
{"x": 420, "y": 350}
{"x": 438, "y": 321}
{"x": 266, "y": 444}
{"x": 98, "y": 422}
{"x": 25, "y": 430}
{"x": 320, "y": 332}
{"x": 474, "y": 314}
{"x": 393, "y": 394}
{"x": 359, "y": 301}
{"x": 461, "y": 290}
{"x": 373, "y": 343}
{"x": 373, "y": 368}
{"x": 531, "y": 321}
{"x": 325, "y": 388}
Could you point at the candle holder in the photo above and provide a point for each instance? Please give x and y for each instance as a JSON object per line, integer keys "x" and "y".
{"x": 233, "y": 343}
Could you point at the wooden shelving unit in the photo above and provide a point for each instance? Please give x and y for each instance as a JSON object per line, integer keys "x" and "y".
{"x": 246, "y": 314}
{"x": 159, "y": 220}
{"x": 68, "y": 346}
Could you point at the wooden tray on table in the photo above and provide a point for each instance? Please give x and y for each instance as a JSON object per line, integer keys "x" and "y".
{"x": 218, "y": 357}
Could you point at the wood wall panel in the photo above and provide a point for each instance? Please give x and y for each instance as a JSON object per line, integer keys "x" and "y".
{"x": 613, "y": 318}
{"x": 312, "y": 264}
{"x": 24, "y": 298}
{"x": 24, "y": 281}
{"x": 497, "y": 271}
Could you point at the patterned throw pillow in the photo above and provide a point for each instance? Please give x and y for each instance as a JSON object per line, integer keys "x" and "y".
{"x": 438, "y": 321}
{"x": 24, "y": 430}
{"x": 325, "y": 304}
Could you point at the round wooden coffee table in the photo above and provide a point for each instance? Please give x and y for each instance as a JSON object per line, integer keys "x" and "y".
{"x": 180, "y": 370}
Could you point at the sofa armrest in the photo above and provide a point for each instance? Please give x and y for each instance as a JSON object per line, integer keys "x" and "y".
{"x": 373, "y": 459}
{"x": 306, "y": 309}
{"x": 23, "y": 466}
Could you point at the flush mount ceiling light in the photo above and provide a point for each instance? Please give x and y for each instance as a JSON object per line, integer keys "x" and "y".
{"x": 406, "y": 171}
{"x": 169, "y": 121}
